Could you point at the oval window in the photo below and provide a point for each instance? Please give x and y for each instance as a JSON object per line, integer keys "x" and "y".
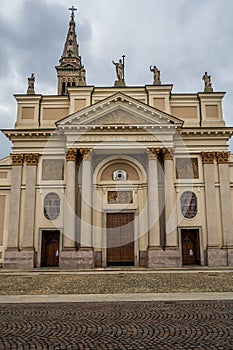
{"x": 188, "y": 203}
{"x": 51, "y": 206}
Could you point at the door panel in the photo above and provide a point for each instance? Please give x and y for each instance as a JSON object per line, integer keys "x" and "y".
{"x": 50, "y": 248}
{"x": 120, "y": 239}
{"x": 190, "y": 246}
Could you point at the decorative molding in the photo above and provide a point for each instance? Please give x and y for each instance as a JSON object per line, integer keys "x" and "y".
{"x": 167, "y": 154}
{"x": 222, "y": 157}
{"x": 17, "y": 159}
{"x": 32, "y": 158}
{"x": 208, "y": 157}
{"x": 71, "y": 154}
{"x": 86, "y": 153}
{"x": 153, "y": 153}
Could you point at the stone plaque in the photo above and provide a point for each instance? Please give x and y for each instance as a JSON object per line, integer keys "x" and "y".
{"x": 120, "y": 197}
{"x": 187, "y": 168}
{"x": 53, "y": 169}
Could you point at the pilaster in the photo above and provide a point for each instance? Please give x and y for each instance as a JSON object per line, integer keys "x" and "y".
{"x": 214, "y": 252}
{"x": 153, "y": 198}
{"x": 170, "y": 200}
{"x": 86, "y": 209}
{"x": 226, "y": 205}
{"x": 69, "y": 205}
{"x": 15, "y": 201}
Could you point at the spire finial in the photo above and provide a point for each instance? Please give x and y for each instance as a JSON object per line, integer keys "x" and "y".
{"x": 72, "y": 9}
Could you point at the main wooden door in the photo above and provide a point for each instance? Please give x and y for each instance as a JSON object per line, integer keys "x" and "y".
{"x": 50, "y": 248}
{"x": 120, "y": 239}
{"x": 190, "y": 246}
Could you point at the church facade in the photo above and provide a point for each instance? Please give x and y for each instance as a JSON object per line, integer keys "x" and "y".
{"x": 116, "y": 176}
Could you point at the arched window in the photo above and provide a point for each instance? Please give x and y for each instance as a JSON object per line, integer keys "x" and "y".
{"x": 51, "y": 206}
{"x": 188, "y": 203}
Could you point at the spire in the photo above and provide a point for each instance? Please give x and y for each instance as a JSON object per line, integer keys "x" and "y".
{"x": 70, "y": 71}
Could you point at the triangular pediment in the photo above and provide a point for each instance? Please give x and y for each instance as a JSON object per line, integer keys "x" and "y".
{"x": 119, "y": 109}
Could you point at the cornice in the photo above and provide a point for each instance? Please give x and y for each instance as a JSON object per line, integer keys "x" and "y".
{"x": 207, "y": 131}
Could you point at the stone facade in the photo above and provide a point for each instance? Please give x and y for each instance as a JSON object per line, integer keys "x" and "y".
{"x": 99, "y": 177}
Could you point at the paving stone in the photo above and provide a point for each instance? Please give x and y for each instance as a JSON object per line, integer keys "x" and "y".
{"x": 179, "y": 325}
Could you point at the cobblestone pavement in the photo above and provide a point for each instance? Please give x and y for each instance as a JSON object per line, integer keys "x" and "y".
{"x": 189, "y": 325}
{"x": 105, "y": 283}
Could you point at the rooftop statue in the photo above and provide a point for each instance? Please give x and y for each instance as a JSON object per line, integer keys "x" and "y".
{"x": 156, "y": 72}
{"x": 120, "y": 72}
{"x": 31, "y": 82}
{"x": 207, "y": 81}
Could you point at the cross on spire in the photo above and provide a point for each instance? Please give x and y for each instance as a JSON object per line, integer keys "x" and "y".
{"x": 72, "y": 9}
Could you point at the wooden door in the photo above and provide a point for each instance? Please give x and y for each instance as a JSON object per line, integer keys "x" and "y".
{"x": 120, "y": 239}
{"x": 50, "y": 248}
{"x": 190, "y": 246}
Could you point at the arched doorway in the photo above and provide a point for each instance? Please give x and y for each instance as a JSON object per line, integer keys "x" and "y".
{"x": 120, "y": 216}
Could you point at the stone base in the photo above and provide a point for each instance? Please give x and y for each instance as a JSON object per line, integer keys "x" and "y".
{"x": 119, "y": 83}
{"x": 14, "y": 259}
{"x": 143, "y": 258}
{"x": 98, "y": 259}
{"x": 230, "y": 256}
{"x": 216, "y": 256}
{"x": 81, "y": 259}
{"x": 164, "y": 258}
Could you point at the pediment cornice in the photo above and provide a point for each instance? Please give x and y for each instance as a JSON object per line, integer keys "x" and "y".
{"x": 119, "y": 110}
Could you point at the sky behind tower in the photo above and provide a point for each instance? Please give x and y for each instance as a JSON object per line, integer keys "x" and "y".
{"x": 183, "y": 38}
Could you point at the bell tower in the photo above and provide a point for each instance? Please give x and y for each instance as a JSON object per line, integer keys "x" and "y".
{"x": 70, "y": 71}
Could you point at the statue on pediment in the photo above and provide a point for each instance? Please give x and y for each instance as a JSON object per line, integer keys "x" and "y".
{"x": 207, "y": 81}
{"x": 82, "y": 77}
{"x": 120, "y": 66}
{"x": 156, "y": 72}
{"x": 31, "y": 82}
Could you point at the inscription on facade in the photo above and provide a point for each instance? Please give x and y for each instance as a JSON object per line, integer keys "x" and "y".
{"x": 120, "y": 197}
{"x": 187, "y": 168}
{"x": 53, "y": 169}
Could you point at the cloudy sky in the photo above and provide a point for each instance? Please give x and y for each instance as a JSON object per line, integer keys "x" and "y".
{"x": 184, "y": 38}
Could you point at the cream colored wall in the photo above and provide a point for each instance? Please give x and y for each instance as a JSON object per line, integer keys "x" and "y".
{"x": 194, "y": 109}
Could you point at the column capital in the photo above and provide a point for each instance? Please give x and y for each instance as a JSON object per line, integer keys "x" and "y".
{"x": 208, "y": 157}
{"x": 86, "y": 153}
{"x": 222, "y": 157}
{"x": 71, "y": 154}
{"x": 153, "y": 152}
{"x": 32, "y": 158}
{"x": 167, "y": 154}
{"x": 17, "y": 159}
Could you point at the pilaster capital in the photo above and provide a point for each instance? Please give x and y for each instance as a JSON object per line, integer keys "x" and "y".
{"x": 32, "y": 158}
{"x": 222, "y": 157}
{"x": 208, "y": 157}
{"x": 17, "y": 159}
{"x": 153, "y": 153}
{"x": 71, "y": 154}
{"x": 86, "y": 153}
{"x": 167, "y": 154}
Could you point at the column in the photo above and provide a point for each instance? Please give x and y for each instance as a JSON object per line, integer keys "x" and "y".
{"x": 69, "y": 204}
{"x": 86, "y": 201}
{"x": 15, "y": 199}
{"x": 226, "y": 205}
{"x": 30, "y": 197}
{"x": 170, "y": 200}
{"x": 153, "y": 198}
{"x": 210, "y": 195}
